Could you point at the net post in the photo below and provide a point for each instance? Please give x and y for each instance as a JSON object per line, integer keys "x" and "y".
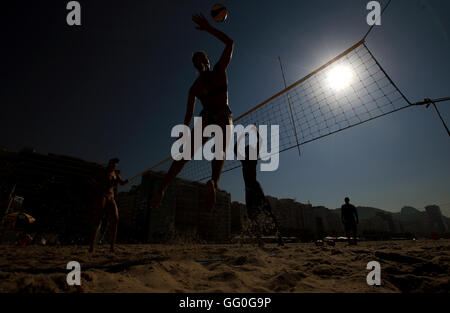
{"x": 290, "y": 107}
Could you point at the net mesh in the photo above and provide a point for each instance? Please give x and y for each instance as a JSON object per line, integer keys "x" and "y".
{"x": 347, "y": 91}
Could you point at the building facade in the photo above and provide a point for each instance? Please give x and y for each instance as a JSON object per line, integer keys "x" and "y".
{"x": 55, "y": 189}
{"x": 181, "y": 215}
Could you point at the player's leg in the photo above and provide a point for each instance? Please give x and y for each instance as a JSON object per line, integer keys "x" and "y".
{"x": 217, "y": 165}
{"x": 212, "y": 184}
{"x": 268, "y": 209}
{"x": 174, "y": 170}
{"x": 355, "y": 233}
{"x": 104, "y": 225}
{"x": 113, "y": 221}
{"x": 98, "y": 206}
{"x": 348, "y": 233}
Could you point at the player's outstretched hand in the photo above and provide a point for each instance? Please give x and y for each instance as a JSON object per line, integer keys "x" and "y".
{"x": 201, "y": 21}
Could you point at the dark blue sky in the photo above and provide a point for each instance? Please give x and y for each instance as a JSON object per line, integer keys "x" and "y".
{"x": 117, "y": 85}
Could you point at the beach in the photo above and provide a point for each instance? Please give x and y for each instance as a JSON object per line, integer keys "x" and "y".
{"x": 406, "y": 266}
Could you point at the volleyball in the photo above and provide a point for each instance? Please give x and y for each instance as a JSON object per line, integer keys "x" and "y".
{"x": 219, "y": 12}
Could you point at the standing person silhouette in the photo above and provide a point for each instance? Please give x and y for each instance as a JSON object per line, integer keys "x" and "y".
{"x": 211, "y": 87}
{"x": 349, "y": 217}
{"x": 106, "y": 181}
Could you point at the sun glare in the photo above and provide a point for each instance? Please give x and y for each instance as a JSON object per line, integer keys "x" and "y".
{"x": 340, "y": 77}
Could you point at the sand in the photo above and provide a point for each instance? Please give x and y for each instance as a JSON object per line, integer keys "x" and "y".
{"x": 406, "y": 266}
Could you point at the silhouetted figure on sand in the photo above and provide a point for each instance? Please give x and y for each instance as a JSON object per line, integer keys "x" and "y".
{"x": 211, "y": 87}
{"x": 349, "y": 217}
{"x": 255, "y": 201}
{"x": 105, "y": 183}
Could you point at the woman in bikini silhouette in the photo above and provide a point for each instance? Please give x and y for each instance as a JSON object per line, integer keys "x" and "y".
{"x": 106, "y": 181}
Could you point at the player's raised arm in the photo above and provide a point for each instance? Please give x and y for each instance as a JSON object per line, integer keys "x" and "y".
{"x": 203, "y": 24}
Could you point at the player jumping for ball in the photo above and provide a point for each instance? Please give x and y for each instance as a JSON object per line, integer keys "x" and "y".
{"x": 211, "y": 87}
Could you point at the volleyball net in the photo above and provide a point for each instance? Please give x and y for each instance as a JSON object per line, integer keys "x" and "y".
{"x": 345, "y": 92}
